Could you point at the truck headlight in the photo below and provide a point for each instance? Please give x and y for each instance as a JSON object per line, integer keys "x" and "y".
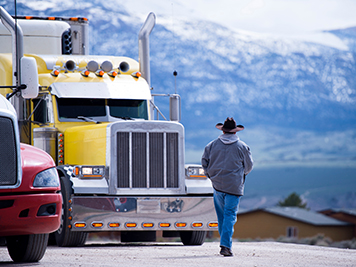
{"x": 195, "y": 172}
{"x": 89, "y": 171}
{"x": 47, "y": 178}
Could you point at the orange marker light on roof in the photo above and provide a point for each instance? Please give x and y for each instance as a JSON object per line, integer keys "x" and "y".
{"x": 136, "y": 74}
{"x": 112, "y": 74}
{"x": 55, "y": 73}
{"x": 99, "y": 73}
{"x": 74, "y": 19}
{"x": 51, "y": 18}
{"x": 85, "y": 73}
{"x": 28, "y": 17}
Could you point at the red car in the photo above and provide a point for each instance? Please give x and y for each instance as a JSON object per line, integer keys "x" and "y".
{"x": 30, "y": 199}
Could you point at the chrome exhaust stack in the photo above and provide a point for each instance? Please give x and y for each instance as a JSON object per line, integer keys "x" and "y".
{"x": 144, "y": 47}
{"x": 17, "y": 42}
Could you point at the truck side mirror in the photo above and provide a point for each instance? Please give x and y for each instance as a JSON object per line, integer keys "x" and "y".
{"x": 174, "y": 107}
{"x": 29, "y": 77}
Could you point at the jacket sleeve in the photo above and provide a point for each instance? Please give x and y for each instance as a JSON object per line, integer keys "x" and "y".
{"x": 205, "y": 159}
{"x": 248, "y": 161}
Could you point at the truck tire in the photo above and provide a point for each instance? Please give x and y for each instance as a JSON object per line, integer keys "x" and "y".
{"x": 64, "y": 236}
{"x": 192, "y": 238}
{"x": 27, "y": 248}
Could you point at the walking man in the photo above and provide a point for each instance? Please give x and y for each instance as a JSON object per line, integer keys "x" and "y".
{"x": 226, "y": 161}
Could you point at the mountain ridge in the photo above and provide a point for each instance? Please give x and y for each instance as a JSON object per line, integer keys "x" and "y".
{"x": 295, "y": 98}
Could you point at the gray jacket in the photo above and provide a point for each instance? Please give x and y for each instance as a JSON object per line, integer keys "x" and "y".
{"x": 226, "y": 161}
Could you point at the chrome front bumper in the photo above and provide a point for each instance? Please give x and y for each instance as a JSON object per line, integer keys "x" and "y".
{"x": 142, "y": 213}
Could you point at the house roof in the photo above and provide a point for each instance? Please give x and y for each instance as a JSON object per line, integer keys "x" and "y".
{"x": 302, "y": 215}
{"x": 346, "y": 211}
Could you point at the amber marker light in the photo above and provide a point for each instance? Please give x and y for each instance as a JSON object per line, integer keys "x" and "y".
{"x": 99, "y": 73}
{"x": 80, "y": 225}
{"x": 55, "y": 73}
{"x": 114, "y": 225}
{"x": 97, "y": 224}
{"x": 130, "y": 225}
{"x": 197, "y": 224}
{"x": 213, "y": 224}
{"x": 112, "y": 74}
{"x": 136, "y": 74}
{"x": 147, "y": 225}
{"x": 164, "y": 225}
{"x": 60, "y": 148}
{"x": 76, "y": 171}
{"x": 85, "y": 73}
{"x": 181, "y": 224}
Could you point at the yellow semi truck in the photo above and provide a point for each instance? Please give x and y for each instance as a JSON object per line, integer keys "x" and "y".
{"x": 120, "y": 169}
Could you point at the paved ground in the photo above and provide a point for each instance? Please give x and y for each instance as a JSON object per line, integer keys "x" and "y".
{"x": 177, "y": 255}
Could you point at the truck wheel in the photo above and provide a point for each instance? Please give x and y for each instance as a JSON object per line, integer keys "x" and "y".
{"x": 27, "y": 248}
{"x": 192, "y": 238}
{"x": 64, "y": 236}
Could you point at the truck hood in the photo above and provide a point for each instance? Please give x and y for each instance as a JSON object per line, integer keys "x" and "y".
{"x": 85, "y": 145}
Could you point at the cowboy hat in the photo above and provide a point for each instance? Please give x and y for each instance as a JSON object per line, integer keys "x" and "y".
{"x": 229, "y": 126}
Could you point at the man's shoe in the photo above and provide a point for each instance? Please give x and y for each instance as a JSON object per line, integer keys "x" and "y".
{"x": 226, "y": 252}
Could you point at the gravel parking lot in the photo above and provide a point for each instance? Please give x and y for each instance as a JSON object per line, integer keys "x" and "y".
{"x": 177, "y": 255}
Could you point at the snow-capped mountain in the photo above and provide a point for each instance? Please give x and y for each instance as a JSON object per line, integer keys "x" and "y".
{"x": 296, "y": 99}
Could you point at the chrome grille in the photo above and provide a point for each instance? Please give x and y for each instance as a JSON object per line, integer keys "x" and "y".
{"x": 8, "y": 153}
{"x": 147, "y": 160}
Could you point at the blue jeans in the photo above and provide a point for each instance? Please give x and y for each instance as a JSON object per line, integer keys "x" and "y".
{"x": 226, "y": 207}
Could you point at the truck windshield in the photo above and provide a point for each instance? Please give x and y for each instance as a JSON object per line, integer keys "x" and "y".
{"x": 72, "y": 108}
{"x": 128, "y": 108}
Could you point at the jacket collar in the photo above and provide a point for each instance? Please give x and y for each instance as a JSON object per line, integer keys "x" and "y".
{"x": 228, "y": 139}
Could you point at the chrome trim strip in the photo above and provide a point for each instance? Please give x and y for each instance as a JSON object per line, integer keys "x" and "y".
{"x": 122, "y": 210}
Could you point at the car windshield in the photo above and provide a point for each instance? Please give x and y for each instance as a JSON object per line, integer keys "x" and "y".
{"x": 72, "y": 108}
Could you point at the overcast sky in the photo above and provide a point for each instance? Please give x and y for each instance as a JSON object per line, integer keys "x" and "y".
{"x": 264, "y": 16}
